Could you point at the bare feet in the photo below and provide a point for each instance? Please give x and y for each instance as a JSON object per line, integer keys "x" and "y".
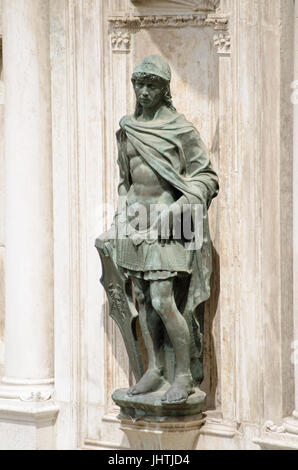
{"x": 150, "y": 382}
{"x": 180, "y": 390}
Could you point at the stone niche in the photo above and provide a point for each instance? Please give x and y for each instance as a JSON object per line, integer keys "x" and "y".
{"x": 177, "y": 5}
{"x": 181, "y": 33}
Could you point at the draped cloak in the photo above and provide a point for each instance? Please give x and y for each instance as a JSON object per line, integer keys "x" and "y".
{"x": 173, "y": 148}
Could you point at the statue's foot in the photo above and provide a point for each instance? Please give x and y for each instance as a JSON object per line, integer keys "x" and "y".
{"x": 179, "y": 391}
{"x": 150, "y": 382}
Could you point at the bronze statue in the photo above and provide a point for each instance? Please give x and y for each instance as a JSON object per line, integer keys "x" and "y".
{"x": 166, "y": 180}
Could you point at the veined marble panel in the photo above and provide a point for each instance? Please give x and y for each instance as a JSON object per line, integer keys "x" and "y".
{"x": 177, "y": 5}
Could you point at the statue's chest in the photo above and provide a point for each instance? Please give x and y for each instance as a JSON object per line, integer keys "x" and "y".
{"x": 131, "y": 151}
{"x": 140, "y": 171}
{"x": 136, "y": 163}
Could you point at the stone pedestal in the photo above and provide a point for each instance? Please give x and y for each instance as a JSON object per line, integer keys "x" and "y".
{"x": 168, "y": 434}
{"x": 151, "y": 407}
{"x": 149, "y": 424}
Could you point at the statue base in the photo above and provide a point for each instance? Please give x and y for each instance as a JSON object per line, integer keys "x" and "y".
{"x": 169, "y": 433}
{"x": 150, "y": 405}
{"x": 149, "y": 424}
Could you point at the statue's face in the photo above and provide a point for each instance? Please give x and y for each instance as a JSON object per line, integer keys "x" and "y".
{"x": 149, "y": 93}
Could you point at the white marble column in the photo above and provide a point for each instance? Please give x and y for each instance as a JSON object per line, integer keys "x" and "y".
{"x": 29, "y": 233}
{"x": 27, "y": 413}
{"x": 285, "y": 436}
{"x": 28, "y": 374}
{"x": 291, "y": 423}
{"x": 295, "y": 219}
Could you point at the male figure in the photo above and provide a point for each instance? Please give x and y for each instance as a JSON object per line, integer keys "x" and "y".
{"x": 163, "y": 163}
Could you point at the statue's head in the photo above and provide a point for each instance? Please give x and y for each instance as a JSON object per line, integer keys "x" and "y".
{"x": 151, "y": 80}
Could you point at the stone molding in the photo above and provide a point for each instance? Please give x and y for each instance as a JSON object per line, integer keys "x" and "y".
{"x": 283, "y": 436}
{"x": 269, "y": 426}
{"x": 156, "y": 21}
{"x": 18, "y": 411}
{"x": 27, "y": 382}
{"x": 271, "y": 441}
{"x": 27, "y": 393}
{"x": 34, "y": 396}
{"x": 220, "y": 428}
{"x": 290, "y": 426}
{"x": 28, "y": 426}
{"x": 121, "y": 27}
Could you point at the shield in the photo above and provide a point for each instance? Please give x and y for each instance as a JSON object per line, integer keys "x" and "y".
{"x": 121, "y": 306}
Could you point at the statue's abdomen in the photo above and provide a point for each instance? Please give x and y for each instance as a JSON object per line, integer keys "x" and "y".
{"x": 148, "y": 189}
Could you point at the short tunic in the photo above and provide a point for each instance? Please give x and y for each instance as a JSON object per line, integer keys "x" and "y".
{"x": 154, "y": 261}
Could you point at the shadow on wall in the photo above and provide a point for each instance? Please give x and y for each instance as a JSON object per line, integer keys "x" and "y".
{"x": 210, "y": 382}
{"x": 211, "y": 354}
{"x": 190, "y": 53}
{"x": 188, "y": 49}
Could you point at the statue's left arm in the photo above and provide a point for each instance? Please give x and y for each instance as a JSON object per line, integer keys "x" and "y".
{"x": 198, "y": 167}
{"x": 199, "y": 174}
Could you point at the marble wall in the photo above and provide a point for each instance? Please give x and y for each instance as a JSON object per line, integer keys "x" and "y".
{"x": 232, "y": 64}
{"x": 2, "y": 211}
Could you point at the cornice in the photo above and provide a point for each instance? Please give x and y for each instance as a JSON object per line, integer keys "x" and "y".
{"x": 121, "y": 27}
{"x": 135, "y": 22}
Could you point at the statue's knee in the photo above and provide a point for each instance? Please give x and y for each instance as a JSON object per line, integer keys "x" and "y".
{"x": 140, "y": 296}
{"x": 156, "y": 304}
{"x": 161, "y": 306}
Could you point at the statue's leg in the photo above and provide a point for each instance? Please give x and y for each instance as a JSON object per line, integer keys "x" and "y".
{"x": 150, "y": 324}
{"x": 163, "y": 301}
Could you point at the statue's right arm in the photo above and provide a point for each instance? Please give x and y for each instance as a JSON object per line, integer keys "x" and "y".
{"x": 110, "y": 234}
{"x": 123, "y": 188}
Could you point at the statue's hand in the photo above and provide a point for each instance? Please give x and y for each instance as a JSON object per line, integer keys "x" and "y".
{"x": 167, "y": 220}
{"x": 164, "y": 225}
{"x": 105, "y": 237}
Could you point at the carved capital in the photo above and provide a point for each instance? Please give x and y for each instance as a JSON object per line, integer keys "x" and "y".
{"x": 222, "y": 38}
{"x": 222, "y": 42}
{"x": 121, "y": 41}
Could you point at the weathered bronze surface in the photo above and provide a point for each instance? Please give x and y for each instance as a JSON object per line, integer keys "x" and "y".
{"x": 159, "y": 247}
